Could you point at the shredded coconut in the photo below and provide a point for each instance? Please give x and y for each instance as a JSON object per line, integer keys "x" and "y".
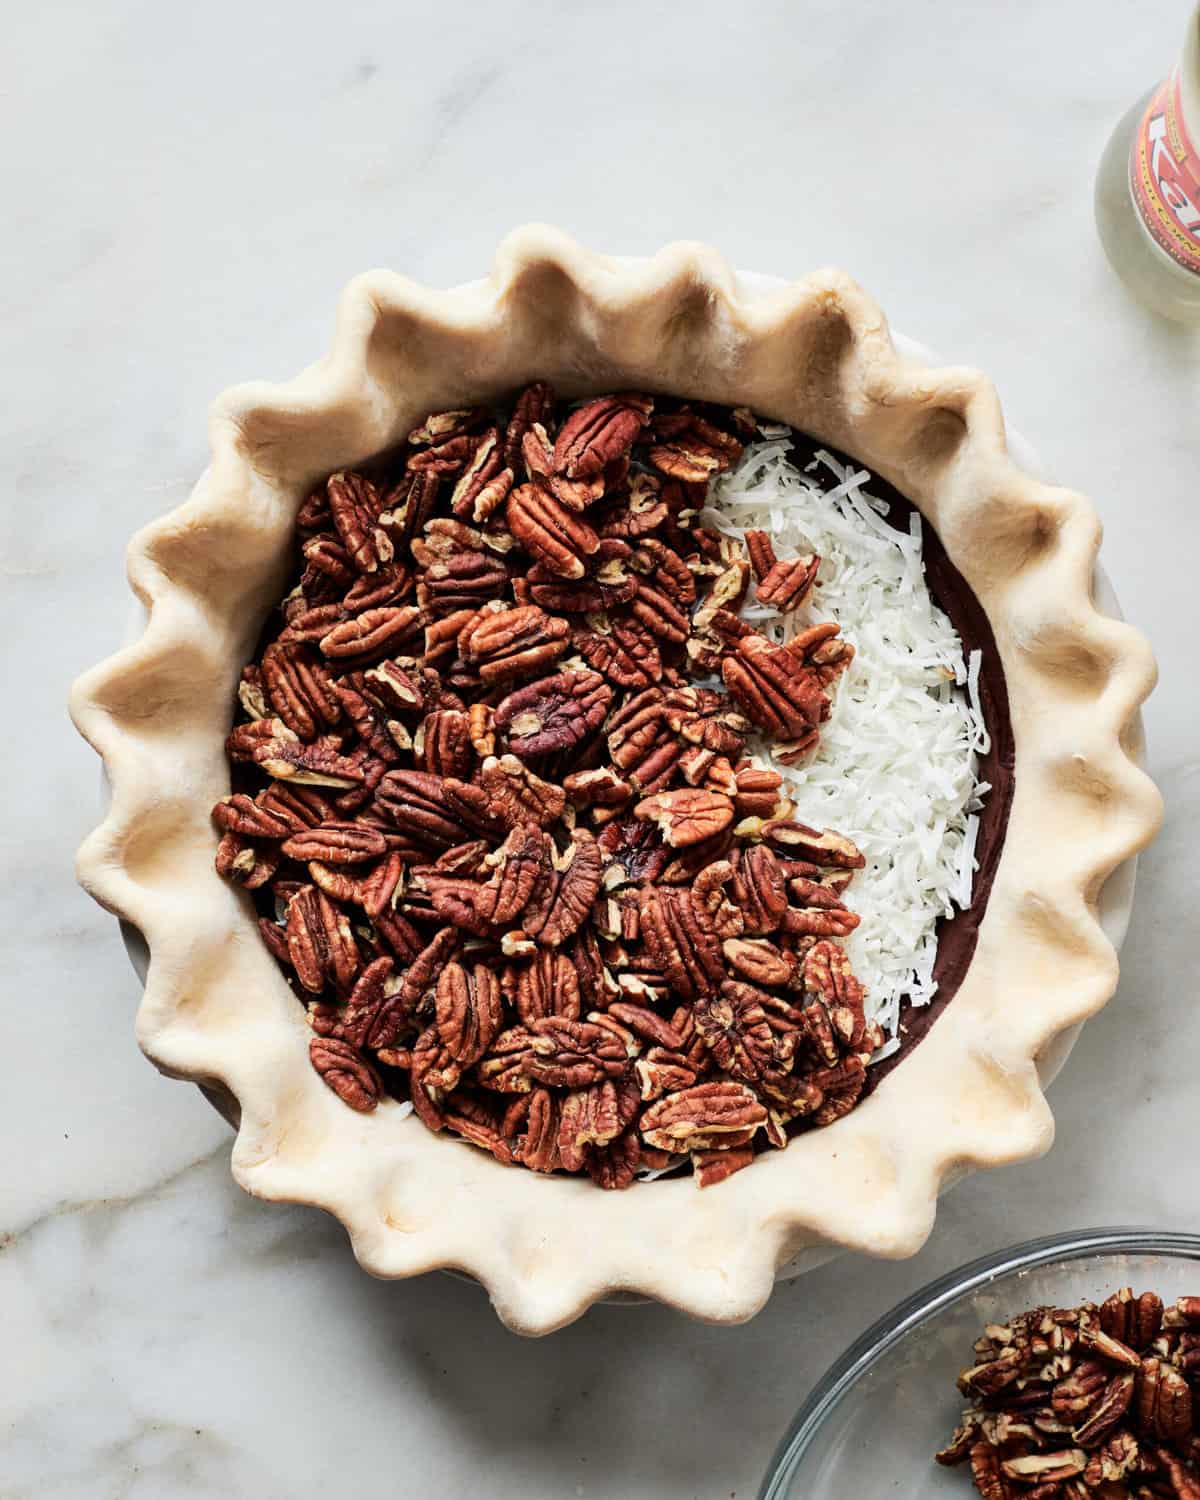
{"x": 896, "y": 765}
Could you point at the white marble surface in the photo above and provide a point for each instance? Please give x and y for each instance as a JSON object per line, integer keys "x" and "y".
{"x": 187, "y": 189}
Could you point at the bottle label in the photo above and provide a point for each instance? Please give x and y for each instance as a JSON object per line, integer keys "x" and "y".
{"x": 1164, "y": 177}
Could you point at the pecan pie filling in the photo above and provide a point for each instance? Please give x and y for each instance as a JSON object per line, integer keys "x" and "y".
{"x": 499, "y": 791}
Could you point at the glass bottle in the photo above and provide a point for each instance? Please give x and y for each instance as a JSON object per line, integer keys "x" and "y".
{"x": 1148, "y": 191}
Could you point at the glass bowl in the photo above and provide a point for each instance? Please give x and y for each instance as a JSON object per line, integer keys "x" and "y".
{"x": 873, "y": 1423}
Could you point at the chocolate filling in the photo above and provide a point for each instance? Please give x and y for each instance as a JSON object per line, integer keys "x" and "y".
{"x": 956, "y": 935}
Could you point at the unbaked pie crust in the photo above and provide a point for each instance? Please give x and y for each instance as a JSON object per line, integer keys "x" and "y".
{"x": 216, "y": 1009}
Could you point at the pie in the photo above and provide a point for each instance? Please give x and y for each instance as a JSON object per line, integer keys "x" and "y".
{"x": 671, "y": 342}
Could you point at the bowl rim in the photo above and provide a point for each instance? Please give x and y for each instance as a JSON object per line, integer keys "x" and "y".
{"x": 922, "y": 1305}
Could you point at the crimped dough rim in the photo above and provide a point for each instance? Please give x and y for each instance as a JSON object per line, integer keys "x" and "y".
{"x": 818, "y": 355}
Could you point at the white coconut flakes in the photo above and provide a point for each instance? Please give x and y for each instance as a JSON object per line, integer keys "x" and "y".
{"x": 896, "y": 766}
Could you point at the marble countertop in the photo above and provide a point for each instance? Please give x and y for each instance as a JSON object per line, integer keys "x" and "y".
{"x": 188, "y": 190}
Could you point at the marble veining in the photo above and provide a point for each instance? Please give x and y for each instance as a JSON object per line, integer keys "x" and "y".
{"x": 190, "y": 189}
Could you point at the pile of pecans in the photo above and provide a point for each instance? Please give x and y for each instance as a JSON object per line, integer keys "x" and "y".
{"x": 1085, "y": 1403}
{"x": 493, "y": 793}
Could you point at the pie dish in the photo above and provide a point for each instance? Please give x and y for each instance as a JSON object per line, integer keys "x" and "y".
{"x": 819, "y": 357}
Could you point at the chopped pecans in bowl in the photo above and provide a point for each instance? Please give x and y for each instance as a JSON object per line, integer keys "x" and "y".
{"x": 1085, "y": 1403}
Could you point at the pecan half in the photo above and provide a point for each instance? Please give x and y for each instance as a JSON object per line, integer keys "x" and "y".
{"x": 442, "y": 744}
{"x": 478, "y": 1123}
{"x": 816, "y": 911}
{"x": 1106, "y": 1412}
{"x": 624, "y": 651}
{"x": 445, "y": 537}
{"x": 553, "y": 713}
{"x": 735, "y": 1030}
{"x": 1184, "y": 1484}
{"x": 270, "y": 744}
{"x": 469, "y": 1013}
{"x": 659, "y": 614}
{"x": 666, "y": 570}
{"x": 462, "y": 581}
{"x": 320, "y": 942}
{"x": 484, "y": 484}
{"x": 255, "y": 817}
{"x": 516, "y": 796}
{"x": 687, "y": 816}
{"x": 416, "y": 803}
{"x": 759, "y": 891}
{"x": 783, "y": 585}
{"x": 372, "y": 634}
{"x": 531, "y": 408}
{"x": 537, "y": 453}
{"x": 598, "y": 432}
{"x": 1045, "y": 1468}
{"x": 512, "y": 643}
{"x": 639, "y": 512}
{"x": 538, "y": 1148}
{"x": 347, "y": 1072}
{"x": 299, "y": 688}
{"x": 408, "y": 507}
{"x": 336, "y": 844}
{"x": 355, "y": 506}
{"x": 440, "y": 427}
{"x": 840, "y": 1090}
{"x": 441, "y": 638}
{"x": 252, "y": 698}
{"x": 717, "y": 1166}
{"x": 609, "y": 583}
{"x": 641, "y": 742}
{"x": 847, "y": 1009}
{"x": 724, "y": 598}
{"x": 394, "y": 688}
{"x": 987, "y": 1472}
{"x": 702, "y": 717}
{"x": 590, "y": 1117}
{"x": 503, "y": 1069}
{"x": 601, "y": 788}
{"x": 516, "y": 866}
{"x": 825, "y": 848}
{"x": 391, "y": 584}
{"x": 555, "y": 535}
{"x": 1114, "y": 1461}
{"x": 660, "y": 1071}
{"x": 572, "y": 1054}
{"x": 1163, "y": 1402}
{"x": 380, "y": 736}
{"x": 697, "y": 1118}
{"x": 713, "y": 906}
{"x": 567, "y": 893}
{"x": 687, "y": 447}
{"x": 549, "y": 986}
{"x": 240, "y": 860}
{"x": 632, "y": 852}
{"x": 680, "y": 944}
{"x": 776, "y": 693}
{"x": 759, "y": 961}
{"x": 433, "y": 1073}
{"x": 375, "y": 1013}
{"x": 1136, "y": 1321}
{"x": 614, "y": 1166}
